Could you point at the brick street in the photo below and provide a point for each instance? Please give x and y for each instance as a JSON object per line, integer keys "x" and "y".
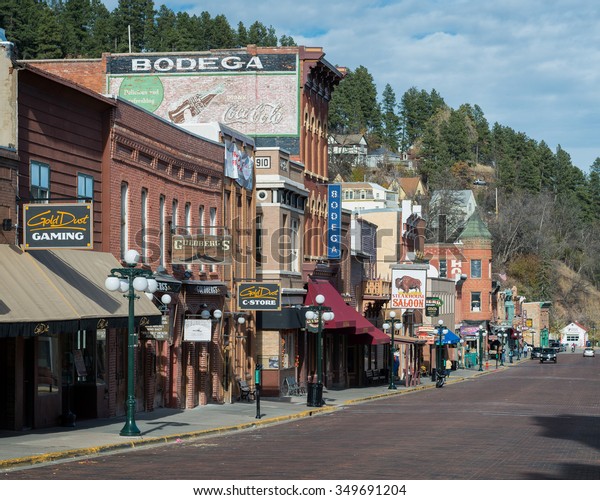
{"x": 532, "y": 421}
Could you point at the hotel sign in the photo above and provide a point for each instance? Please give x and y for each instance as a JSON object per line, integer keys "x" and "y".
{"x": 259, "y": 297}
{"x": 58, "y": 226}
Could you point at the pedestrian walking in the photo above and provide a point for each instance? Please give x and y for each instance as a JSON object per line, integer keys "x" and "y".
{"x": 448, "y": 367}
{"x": 525, "y": 349}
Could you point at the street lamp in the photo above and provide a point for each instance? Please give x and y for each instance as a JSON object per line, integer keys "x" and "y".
{"x": 482, "y": 334}
{"x": 461, "y": 362}
{"x": 502, "y": 336}
{"x": 442, "y": 330}
{"x": 320, "y": 313}
{"x": 129, "y": 280}
{"x": 396, "y": 324}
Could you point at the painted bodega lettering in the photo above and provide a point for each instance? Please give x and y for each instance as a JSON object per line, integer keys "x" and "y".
{"x": 166, "y": 64}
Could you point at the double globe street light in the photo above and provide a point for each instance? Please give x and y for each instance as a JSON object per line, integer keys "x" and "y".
{"x": 482, "y": 334}
{"x": 320, "y": 314}
{"x": 396, "y": 324}
{"x": 130, "y": 280}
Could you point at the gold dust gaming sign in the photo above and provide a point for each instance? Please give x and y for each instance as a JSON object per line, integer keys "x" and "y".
{"x": 58, "y": 226}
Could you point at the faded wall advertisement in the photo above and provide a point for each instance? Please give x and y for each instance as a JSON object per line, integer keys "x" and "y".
{"x": 255, "y": 94}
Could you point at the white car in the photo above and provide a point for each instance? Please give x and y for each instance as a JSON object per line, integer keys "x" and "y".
{"x": 588, "y": 352}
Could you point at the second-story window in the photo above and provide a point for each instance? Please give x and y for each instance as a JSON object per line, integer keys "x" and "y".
{"x": 258, "y": 242}
{"x": 476, "y": 268}
{"x": 124, "y": 219}
{"x": 85, "y": 188}
{"x": 144, "y": 222}
{"x": 294, "y": 244}
{"x": 475, "y": 301}
{"x": 161, "y": 229}
{"x": 39, "y": 181}
{"x": 443, "y": 268}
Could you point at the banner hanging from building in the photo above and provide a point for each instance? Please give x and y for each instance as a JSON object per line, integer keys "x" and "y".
{"x": 47, "y": 226}
{"x": 334, "y": 221}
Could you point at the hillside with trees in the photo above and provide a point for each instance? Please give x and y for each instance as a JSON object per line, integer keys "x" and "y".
{"x": 543, "y": 212}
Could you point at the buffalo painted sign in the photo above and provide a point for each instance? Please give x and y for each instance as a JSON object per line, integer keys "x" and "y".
{"x": 58, "y": 226}
{"x": 259, "y": 297}
{"x": 408, "y": 288}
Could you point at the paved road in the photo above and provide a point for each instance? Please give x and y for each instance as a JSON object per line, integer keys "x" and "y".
{"x": 534, "y": 421}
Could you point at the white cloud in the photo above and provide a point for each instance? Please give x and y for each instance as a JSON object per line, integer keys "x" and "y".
{"x": 531, "y": 65}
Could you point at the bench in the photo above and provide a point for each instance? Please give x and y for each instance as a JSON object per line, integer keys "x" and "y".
{"x": 245, "y": 391}
{"x": 374, "y": 376}
{"x": 291, "y": 388}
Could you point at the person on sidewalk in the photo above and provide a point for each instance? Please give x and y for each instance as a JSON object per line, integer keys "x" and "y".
{"x": 448, "y": 367}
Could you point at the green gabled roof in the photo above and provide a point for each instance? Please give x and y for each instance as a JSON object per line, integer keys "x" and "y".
{"x": 475, "y": 228}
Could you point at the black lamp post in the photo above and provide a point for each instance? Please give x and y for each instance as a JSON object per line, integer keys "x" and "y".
{"x": 396, "y": 324}
{"x": 502, "y": 338}
{"x": 129, "y": 280}
{"x": 442, "y": 330}
{"x": 481, "y": 336}
{"x": 320, "y": 313}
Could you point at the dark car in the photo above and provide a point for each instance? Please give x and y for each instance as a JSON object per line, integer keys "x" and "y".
{"x": 548, "y": 354}
{"x": 536, "y": 352}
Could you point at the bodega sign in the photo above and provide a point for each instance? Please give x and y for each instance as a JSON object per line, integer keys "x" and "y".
{"x": 58, "y": 226}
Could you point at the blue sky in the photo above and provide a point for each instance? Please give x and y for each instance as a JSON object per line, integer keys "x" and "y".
{"x": 531, "y": 65}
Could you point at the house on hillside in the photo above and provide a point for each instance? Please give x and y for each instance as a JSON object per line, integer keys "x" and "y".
{"x": 350, "y": 147}
{"x": 383, "y": 156}
{"x": 408, "y": 188}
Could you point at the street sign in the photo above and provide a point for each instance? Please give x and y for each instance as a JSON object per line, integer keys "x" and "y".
{"x": 434, "y": 301}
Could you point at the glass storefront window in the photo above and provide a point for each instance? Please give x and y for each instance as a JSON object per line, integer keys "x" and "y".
{"x": 47, "y": 369}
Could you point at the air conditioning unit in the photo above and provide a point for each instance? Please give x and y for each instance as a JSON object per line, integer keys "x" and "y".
{"x": 262, "y": 195}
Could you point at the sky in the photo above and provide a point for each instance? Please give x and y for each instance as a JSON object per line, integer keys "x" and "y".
{"x": 531, "y": 65}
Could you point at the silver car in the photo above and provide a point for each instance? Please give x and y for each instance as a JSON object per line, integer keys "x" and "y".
{"x": 588, "y": 352}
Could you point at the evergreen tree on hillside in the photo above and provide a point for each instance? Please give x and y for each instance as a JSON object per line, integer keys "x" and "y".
{"x": 135, "y": 17}
{"x": 353, "y": 108}
{"x": 391, "y": 122}
{"x": 416, "y": 108}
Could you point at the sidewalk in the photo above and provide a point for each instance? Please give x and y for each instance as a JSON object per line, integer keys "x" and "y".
{"x": 165, "y": 425}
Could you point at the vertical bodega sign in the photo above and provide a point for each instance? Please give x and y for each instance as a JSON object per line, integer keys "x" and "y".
{"x": 334, "y": 219}
{"x": 67, "y": 225}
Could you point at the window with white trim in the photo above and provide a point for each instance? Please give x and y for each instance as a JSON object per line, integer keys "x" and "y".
{"x": 39, "y": 186}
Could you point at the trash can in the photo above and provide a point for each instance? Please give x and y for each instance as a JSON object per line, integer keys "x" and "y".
{"x": 314, "y": 395}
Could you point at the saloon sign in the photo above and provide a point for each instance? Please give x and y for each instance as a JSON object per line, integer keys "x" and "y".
{"x": 408, "y": 289}
{"x": 58, "y": 226}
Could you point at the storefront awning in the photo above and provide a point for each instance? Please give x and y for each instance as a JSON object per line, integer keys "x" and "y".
{"x": 345, "y": 315}
{"x": 334, "y": 300}
{"x": 49, "y": 291}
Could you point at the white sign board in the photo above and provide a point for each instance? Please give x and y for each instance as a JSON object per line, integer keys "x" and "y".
{"x": 197, "y": 330}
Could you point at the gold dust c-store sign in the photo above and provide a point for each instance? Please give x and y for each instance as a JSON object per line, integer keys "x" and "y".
{"x": 57, "y": 226}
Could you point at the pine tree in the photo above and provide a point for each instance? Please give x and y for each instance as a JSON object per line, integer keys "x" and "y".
{"x": 391, "y": 121}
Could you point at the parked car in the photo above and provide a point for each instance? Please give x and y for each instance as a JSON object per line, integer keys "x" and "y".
{"x": 536, "y": 352}
{"x": 479, "y": 182}
{"x": 588, "y": 352}
{"x": 548, "y": 354}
